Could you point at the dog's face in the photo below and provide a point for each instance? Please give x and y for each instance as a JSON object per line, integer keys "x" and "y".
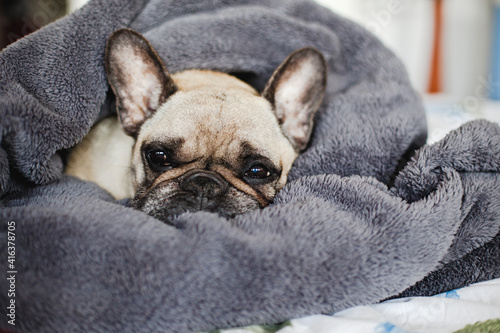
{"x": 205, "y": 140}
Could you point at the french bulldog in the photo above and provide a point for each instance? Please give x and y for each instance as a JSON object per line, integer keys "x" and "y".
{"x": 198, "y": 140}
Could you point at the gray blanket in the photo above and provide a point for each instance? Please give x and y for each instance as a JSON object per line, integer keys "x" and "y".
{"x": 360, "y": 221}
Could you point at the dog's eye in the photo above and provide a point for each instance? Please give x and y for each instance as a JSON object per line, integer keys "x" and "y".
{"x": 257, "y": 171}
{"x": 158, "y": 158}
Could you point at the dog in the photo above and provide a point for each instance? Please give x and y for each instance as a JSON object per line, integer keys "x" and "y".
{"x": 198, "y": 140}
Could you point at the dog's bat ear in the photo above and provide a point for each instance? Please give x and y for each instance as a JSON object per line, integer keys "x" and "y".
{"x": 296, "y": 91}
{"x": 138, "y": 78}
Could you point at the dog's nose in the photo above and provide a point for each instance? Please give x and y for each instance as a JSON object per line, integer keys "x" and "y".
{"x": 204, "y": 183}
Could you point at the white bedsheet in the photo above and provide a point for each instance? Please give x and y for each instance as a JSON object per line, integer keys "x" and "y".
{"x": 442, "y": 313}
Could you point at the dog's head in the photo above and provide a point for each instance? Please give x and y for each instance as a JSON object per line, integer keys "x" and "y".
{"x": 205, "y": 140}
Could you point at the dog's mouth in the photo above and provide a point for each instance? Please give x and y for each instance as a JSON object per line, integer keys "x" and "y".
{"x": 194, "y": 192}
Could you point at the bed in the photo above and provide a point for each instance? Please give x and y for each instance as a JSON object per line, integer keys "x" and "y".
{"x": 371, "y": 212}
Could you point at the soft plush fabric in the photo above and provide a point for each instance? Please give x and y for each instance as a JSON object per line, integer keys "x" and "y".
{"x": 356, "y": 224}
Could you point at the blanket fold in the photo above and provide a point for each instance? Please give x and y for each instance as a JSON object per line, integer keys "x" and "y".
{"x": 473, "y": 150}
{"x": 347, "y": 229}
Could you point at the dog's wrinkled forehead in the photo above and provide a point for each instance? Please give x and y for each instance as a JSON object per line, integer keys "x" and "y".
{"x": 217, "y": 125}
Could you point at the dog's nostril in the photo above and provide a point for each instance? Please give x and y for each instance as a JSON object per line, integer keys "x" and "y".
{"x": 204, "y": 183}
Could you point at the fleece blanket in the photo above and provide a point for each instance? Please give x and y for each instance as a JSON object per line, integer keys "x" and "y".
{"x": 362, "y": 218}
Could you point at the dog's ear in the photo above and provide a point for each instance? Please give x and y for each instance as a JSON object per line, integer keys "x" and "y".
{"x": 296, "y": 90}
{"x": 138, "y": 78}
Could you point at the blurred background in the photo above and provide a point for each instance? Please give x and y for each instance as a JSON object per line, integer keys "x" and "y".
{"x": 451, "y": 48}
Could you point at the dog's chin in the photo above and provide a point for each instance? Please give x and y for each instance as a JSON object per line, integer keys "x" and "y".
{"x": 166, "y": 204}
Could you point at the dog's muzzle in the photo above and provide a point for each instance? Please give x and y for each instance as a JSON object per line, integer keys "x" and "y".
{"x": 204, "y": 184}
{"x": 196, "y": 190}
